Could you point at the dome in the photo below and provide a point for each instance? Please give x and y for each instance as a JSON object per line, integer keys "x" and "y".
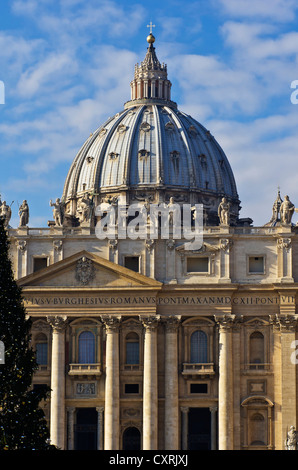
{"x": 152, "y": 149}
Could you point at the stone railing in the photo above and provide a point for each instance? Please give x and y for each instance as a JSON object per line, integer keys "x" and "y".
{"x": 198, "y": 369}
{"x": 84, "y": 369}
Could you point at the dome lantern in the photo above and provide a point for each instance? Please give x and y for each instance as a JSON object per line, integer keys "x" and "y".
{"x": 150, "y": 80}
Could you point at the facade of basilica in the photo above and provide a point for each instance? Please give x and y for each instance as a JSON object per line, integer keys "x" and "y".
{"x": 145, "y": 342}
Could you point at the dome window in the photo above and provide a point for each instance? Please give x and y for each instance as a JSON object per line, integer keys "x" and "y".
{"x": 113, "y": 155}
{"x": 203, "y": 160}
{"x": 193, "y": 131}
{"x": 169, "y": 126}
{"x": 121, "y": 129}
{"x": 145, "y": 127}
{"x": 143, "y": 153}
{"x": 102, "y": 132}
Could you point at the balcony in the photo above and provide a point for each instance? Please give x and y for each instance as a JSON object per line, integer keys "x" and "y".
{"x": 257, "y": 368}
{"x": 198, "y": 369}
{"x": 43, "y": 369}
{"x": 85, "y": 369}
{"x": 131, "y": 367}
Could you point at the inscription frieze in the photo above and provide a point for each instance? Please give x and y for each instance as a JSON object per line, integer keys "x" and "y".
{"x": 179, "y": 300}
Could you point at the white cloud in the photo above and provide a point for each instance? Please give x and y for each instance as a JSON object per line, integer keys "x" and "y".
{"x": 45, "y": 74}
{"x": 277, "y": 10}
{"x": 263, "y": 155}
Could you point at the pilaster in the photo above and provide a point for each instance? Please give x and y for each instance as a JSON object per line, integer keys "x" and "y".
{"x": 285, "y": 377}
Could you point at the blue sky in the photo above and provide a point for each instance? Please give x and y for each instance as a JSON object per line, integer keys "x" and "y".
{"x": 67, "y": 65}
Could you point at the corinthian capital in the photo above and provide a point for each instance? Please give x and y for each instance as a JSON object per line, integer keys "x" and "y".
{"x": 171, "y": 323}
{"x": 112, "y": 323}
{"x": 285, "y": 322}
{"x": 225, "y": 321}
{"x": 58, "y": 323}
{"x": 150, "y": 322}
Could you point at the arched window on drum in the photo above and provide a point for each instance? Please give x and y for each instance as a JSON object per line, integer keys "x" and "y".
{"x": 86, "y": 348}
{"x": 198, "y": 347}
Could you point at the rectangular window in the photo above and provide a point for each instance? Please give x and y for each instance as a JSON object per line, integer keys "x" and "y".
{"x": 131, "y": 388}
{"x": 198, "y": 265}
{"x": 132, "y": 262}
{"x": 198, "y": 388}
{"x": 42, "y": 353}
{"x": 132, "y": 353}
{"x": 256, "y": 265}
{"x": 39, "y": 263}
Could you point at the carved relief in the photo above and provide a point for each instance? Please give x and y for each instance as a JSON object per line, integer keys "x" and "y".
{"x": 85, "y": 271}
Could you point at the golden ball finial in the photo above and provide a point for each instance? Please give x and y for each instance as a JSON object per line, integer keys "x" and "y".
{"x": 150, "y": 38}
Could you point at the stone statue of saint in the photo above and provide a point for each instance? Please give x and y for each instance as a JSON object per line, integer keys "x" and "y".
{"x": 57, "y": 211}
{"x": 286, "y": 211}
{"x": 85, "y": 208}
{"x": 5, "y": 213}
{"x": 24, "y": 214}
{"x": 224, "y": 212}
{"x": 291, "y": 441}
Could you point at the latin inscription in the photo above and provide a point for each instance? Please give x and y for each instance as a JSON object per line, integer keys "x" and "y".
{"x": 163, "y": 301}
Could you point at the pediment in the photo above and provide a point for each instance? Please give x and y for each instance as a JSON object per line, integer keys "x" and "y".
{"x": 86, "y": 269}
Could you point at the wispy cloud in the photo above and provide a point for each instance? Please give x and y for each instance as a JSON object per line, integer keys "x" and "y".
{"x": 277, "y": 10}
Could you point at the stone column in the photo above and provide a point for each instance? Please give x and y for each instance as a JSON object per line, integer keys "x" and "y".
{"x": 152, "y": 89}
{"x": 184, "y": 427}
{"x": 146, "y": 89}
{"x": 150, "y": 394}
{"x": 112, "y": 404}
{"x": 57, "y": 419}
{"x": 225, "y": 384}
{"x": 70, "y": 425}
{"x": 99, "y": 410}
{"x": 160, "y": 94}
{"x": 171, "y": 384}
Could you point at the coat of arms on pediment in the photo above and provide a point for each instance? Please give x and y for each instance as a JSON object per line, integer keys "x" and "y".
{"x": 85, "y": 271}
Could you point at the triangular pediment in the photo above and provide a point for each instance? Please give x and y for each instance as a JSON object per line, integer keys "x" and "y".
{"x": 86, "y": 269}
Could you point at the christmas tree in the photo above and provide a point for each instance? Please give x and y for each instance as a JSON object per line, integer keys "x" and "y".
{"x": 22, "y": 421}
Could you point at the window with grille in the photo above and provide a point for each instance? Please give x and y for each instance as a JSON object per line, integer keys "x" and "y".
{"x": 41, "y": 347}
{"x": 132, "y": 348}
{"x": 42, "y": 353}
{"x": 198, "y": 347}
{"x": 86, "y": 348}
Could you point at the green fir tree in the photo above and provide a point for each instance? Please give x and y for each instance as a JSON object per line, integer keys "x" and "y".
{"x": 22, "y": 422}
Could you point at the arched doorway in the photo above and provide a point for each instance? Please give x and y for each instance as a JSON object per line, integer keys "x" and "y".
{"x": 131, "y": 439}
